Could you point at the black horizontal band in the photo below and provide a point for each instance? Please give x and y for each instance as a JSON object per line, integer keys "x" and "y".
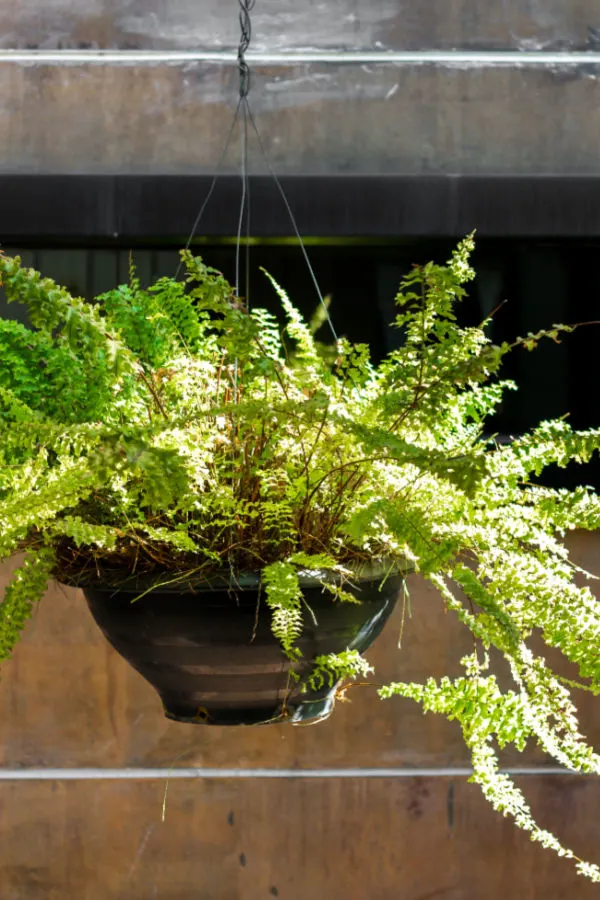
{"x": 135, "y": 207}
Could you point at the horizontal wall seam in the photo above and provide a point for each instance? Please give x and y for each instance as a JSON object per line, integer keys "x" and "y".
{"x": 476, "y": 58}
{"x": 140, "y": 774}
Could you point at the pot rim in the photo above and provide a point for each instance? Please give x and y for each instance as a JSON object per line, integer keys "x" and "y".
{"x": 361, "y": 572}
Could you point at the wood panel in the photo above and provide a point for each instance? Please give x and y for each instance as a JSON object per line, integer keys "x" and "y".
{"x": 414, "y": 839}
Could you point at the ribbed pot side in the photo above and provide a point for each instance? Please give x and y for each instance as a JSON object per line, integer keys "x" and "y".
{"x": 210, "y": 653}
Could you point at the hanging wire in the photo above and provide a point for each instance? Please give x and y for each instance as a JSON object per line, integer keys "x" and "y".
{"x": 247, "y": 274}
{"x": 244, "y": 205}
{"x": 243, "y": 106}
{"x": 246, "y": 7}
{"x": 292, "y": 219}
{"x": 213, "y": 182}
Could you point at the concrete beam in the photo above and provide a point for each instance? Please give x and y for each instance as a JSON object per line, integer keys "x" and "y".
{"x": 315, "y": 119}
{"x": 282, "y": 24}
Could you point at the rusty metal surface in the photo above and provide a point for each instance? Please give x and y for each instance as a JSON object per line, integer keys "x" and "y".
{"x": 417, "y": 840}
{"x": 314, "y": 119}
{"x": 283, "y": 24}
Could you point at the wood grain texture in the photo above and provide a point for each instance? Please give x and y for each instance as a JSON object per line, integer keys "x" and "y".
{"x": 419, "y": 839}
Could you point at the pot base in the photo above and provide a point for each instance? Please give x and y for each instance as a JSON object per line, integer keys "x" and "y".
{"x": 309, "y": 712}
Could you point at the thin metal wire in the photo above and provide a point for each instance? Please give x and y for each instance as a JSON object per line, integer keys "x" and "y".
{"x": 213, "y": 182}
{"x": 292, "y": 218}
{"x": 244, "y": 174}
{"x": 246, "y": 7}
{"x": 247, "y": 232}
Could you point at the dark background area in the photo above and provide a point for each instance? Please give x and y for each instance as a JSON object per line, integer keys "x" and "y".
{"x": 535, "y": 282}
{"x": 537, "y": 249}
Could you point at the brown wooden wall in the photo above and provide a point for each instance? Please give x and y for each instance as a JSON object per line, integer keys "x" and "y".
{"x": 68, "y": 701}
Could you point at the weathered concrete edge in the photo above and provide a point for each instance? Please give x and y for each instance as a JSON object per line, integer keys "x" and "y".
{"x": 476, "y": 58}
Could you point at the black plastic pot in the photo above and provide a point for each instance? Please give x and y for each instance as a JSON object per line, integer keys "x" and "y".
{"x": 210, "y": 653}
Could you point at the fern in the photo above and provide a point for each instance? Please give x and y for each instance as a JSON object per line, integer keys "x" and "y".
{"x": 178, "y": 306}
{"x": 136, "y": 316}
{"x": 284, "y": 598}
{"x": 86, "y": 533}
{"x": 26, "y": 587}
{"x": 485, "y": 712}
{"x": 333, "y": 667}
{"x": 297, "y": 328}
{"x": 55, "y": 312}
{"x": 45, "y": 375}
{"x": 166, "y": 430}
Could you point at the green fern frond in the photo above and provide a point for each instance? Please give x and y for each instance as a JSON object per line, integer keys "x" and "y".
{"x": 25, "y": 588}
{"x": 284, "y": 598}
{"x": 54, "y": 311}
{"x": 306, "y": 348}
{"x": 333, "y": 667}
{"x": 178, "y": 305}
{"x": 84, "y": 533}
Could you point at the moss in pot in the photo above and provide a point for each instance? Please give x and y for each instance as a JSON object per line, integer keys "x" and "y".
{"x": 167, "y": 437}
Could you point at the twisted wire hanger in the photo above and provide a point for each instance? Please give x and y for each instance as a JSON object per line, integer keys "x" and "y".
{"x": 243, "y": 107}
{"x": 246, "y": 7}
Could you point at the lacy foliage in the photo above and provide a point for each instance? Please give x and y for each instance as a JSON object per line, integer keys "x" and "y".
{"x": 169, "y": 430}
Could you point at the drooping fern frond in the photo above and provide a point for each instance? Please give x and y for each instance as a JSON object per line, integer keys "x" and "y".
{"x": 284, "y": 597}
{"x": 484, "y": 712}
{"x": 166, "y": 430}
{"x": 26, "y": 587}
{"x": 331, "y": 668}
{"x": 44, "y": 374}
{"x": 54, "y": 311}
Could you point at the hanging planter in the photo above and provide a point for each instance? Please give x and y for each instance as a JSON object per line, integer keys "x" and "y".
{"x": 210, "y": 652}
{"x": 160, "y": 437}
